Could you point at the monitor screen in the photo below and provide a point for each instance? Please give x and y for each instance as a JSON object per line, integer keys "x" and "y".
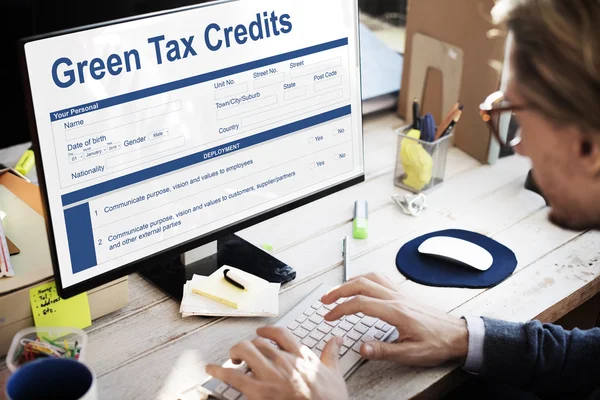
{"x": 159, "y": 131}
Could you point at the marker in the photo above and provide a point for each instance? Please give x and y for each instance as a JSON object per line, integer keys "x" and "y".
{"x": 26, "y": 162}
{"x": 239, "y": 279}
{"x": 233, "y": 282}
{"x": 361, "y": 220}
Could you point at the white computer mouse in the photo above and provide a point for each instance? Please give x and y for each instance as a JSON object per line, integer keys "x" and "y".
{"x": 457, "y": 250}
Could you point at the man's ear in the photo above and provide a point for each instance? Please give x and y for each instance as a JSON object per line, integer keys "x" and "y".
{"x": 589, "y": 153}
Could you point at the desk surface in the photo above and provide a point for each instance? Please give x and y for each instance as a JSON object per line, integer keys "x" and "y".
{"x": 148, "y": 351}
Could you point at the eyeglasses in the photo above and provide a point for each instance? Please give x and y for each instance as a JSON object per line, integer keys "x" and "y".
{"x": 496, "y": 110}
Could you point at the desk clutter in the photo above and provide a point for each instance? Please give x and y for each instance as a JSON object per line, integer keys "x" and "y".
{"x": 36, "y": 343}
{"x": 422, "y": 149}
{"x": 230, "y": 292}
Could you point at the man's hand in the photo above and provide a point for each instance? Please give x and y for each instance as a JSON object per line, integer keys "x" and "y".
{"x": 291, "y": 371}
{"x": 427, "y": 337}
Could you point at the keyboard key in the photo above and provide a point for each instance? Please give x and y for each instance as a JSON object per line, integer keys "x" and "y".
{"x": 221, "y": 387}
{"x": 337, "y": 332}
{"x": 367, "y": 338}
{"x": 345, "y": 326}
{"x": 360, "y": 315}
{"x": 368, "y": 321}
{"x": 343, "y": 350}
{"x": 330, "y": 306}
{"x": 300, "y": 319}
{"x": 321, "y": 345}
{"x": 322, "y": 311}
{"x": 340, "y": 301}
{"x": 353, "y": 319}
{"x": 301, "y": 332}
{"x": 379, "y": 335}
{"x": 386, "y": 327}
{"x": 333, "y": 323}
{"x": 379, "y": 324}
{"x": 309, "y": 326}
{"x": 315, "y": 319}
{"x": 309, "y": 312}
{"x": 354, "y": 335}
{"x": 317, "y": 305}
{"x": 317, "y": 352}
{"x": 231, "y": 394}
{"x": 309, "y": 342}
{"x": 327, "y": 337}
{"x": 372, "y": 332}
{"x": 292, "y": 326}
{"x": 324, "y": 328}
{"x": 356, "y": 346}
{"x": 318, "y": 335}
{"x": 361, "y": 328}
{"x": 348, "y": 342}
{"x": 349, "y": 360}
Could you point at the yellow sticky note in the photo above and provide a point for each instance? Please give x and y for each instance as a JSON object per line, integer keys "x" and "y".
{"x": 49, "y": 309}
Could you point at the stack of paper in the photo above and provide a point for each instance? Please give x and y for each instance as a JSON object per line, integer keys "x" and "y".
{"x": 215, "y": 296}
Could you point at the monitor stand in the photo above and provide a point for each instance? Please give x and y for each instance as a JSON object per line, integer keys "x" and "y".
{"x": 170, "y": 274}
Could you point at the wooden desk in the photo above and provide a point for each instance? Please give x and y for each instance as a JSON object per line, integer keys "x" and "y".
{"x": 148, "y": 351}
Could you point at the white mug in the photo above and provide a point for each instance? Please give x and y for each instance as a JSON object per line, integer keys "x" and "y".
{"x": 52, "y": 378}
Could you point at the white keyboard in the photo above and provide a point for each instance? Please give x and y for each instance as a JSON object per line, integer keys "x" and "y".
{"x": 305, "y": 321}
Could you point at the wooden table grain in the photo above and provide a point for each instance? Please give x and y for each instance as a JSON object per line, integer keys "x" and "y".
{"x": 147, "y": 351}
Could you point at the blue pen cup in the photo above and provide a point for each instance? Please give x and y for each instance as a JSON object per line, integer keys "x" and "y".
{"x": 420, "y": 165}
{"x": 52, "y": 378}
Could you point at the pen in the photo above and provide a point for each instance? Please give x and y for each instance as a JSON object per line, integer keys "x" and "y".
{"x": 346, "y": 258}
{"x": 416, "y": 114}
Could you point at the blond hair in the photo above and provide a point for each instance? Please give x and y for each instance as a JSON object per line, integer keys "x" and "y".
{"x": 556, "y": 57}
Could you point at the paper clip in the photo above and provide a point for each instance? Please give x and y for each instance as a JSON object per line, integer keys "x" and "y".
{"x": 411, "y": 204}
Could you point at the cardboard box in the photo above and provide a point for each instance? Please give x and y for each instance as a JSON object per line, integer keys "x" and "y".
{"x": 463, "y": 25}
{"x": 24, "y": 224}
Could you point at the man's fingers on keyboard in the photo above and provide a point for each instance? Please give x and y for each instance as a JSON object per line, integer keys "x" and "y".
{"x": 282, "y": 337}
{"x": 270, "y": 352}
{"x": 383, "y": 280}
{"x": 361, "y": 286}
{"x": 369, "y": 306}
{"x": 235, "y": 378}
{"x": 256, "y": 361}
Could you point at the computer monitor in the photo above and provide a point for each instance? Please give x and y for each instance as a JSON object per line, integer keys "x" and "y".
{"x": 161, "y": 133}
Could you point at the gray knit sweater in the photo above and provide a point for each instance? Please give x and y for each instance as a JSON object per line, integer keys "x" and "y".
{"x": 542, "y": 358}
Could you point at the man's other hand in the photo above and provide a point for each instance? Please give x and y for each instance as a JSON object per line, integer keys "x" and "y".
{"x": 427, "y": 337}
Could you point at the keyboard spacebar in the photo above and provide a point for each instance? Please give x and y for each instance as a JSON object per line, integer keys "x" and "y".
{"x": 348, "y": 361}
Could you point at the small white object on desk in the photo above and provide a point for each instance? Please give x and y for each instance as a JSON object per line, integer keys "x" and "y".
{"x": 457, "y": 250}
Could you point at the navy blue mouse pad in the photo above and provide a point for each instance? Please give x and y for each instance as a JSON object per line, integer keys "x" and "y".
{"x": 431, "y": 271}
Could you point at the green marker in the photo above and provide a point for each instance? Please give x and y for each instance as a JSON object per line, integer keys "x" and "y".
{"x": 361, "y": 220}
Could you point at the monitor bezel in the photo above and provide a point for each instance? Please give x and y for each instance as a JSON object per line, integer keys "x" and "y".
{"x": 127, "y": 269}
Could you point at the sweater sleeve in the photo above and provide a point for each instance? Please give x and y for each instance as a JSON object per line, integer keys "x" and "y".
{"x": 542, "y": 358}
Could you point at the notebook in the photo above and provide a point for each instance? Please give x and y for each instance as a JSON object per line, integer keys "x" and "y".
{"x": 214, "y": 296}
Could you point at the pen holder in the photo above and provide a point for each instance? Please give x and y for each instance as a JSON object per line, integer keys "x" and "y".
{"x": 34, "y": 343}
{"x": 420, "y": 165}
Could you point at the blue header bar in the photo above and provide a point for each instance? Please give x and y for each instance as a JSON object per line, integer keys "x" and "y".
{"x": 196, "y": 158}
{"x": 193, "y": 80}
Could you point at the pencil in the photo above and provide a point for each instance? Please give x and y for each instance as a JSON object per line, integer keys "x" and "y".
{"x": 446, "y": 121}
{"x": 455, "y": 120}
